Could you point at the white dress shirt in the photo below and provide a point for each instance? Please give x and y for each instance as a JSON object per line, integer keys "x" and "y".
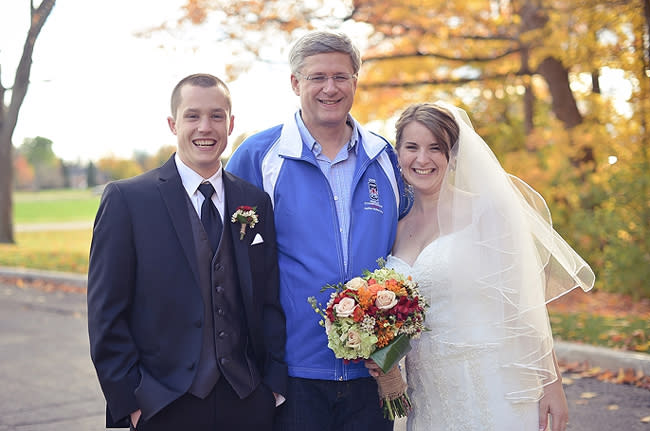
{"x": 191, "y": 182}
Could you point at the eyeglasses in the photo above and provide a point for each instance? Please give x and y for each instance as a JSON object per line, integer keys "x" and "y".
{"x": 320, "y": 78}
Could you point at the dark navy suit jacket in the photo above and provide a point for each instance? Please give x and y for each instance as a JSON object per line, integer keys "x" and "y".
{"x": 145, "y": 309}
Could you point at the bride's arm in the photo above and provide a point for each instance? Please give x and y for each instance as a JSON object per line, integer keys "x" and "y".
{"x": 554, "y": 403}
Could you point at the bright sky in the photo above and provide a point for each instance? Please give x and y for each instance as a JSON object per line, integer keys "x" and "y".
{"x": 96, "y": 89}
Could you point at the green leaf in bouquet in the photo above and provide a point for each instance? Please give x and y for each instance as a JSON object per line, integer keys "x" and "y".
{"x": 388, "y": 356}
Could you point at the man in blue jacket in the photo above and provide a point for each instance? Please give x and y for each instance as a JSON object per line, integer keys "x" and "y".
{"x": 337, "y": 196}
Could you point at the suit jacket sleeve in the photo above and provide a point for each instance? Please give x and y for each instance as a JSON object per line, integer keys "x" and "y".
{"x": 111, "y": 282}
{"x": 274, "y": 325}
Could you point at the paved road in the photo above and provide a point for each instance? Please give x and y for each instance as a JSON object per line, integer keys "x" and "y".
{"x": 47, "y": 381}
{"x": 612, "y": 408}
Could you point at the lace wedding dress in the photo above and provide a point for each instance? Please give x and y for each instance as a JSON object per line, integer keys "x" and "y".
{"x": 455, "y": 386}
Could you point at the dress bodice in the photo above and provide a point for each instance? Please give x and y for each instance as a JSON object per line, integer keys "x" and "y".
{"x": 431, "y": 271}
{"x": 455, "y": 385}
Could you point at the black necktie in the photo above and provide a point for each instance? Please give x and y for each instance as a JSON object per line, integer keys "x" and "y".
{"x": 210, "y": 216}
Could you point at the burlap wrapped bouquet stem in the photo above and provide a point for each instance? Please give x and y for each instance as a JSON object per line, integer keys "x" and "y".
{"x": 392, "y": 394}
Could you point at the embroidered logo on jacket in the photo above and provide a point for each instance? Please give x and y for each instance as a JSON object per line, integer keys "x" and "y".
{"x": 373, "y": 197}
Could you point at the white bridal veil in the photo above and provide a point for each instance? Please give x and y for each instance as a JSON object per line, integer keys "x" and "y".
{"x": 507, "y": 262}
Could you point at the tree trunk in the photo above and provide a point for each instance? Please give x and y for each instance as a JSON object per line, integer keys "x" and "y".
{"x": 563, "y": 103}
{"x": 9, "y": 117}
{"x": 529, "y": 96}
{"x": 529, "y": 110}
{"x": 595, "y": 82}
{"x": 564, "y": 106}
{"x": 646, "y": 13}
{"x": 6, "y": 176}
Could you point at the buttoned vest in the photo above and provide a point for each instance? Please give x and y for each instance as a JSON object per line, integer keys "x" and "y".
{"x": 225, "y": 349}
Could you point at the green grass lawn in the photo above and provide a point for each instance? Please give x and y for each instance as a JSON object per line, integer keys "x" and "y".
{"x": 628, "y": 333}
{"x": 53, "y": 206}
{"x": 65, "y": 250}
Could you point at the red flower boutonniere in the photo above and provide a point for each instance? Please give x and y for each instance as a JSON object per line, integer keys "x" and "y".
{"x": 246, "y": 216}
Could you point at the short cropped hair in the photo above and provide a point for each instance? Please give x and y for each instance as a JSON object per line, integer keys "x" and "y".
{"x": 204, "y": 80}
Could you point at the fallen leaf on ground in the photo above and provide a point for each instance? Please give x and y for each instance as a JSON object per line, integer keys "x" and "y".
{"x": 628, "y": 376}
{"x": 44, "y": 285}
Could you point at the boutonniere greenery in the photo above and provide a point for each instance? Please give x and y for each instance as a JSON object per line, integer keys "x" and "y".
{"x": 246, "y": 216}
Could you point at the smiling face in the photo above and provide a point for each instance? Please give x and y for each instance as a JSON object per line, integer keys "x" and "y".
{"x": 202, "y": 124}
{"x": 422, "y": 158}
{"x": 325, "y": 104}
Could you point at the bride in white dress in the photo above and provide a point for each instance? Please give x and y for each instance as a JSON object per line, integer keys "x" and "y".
{"x": 480, "y": 244}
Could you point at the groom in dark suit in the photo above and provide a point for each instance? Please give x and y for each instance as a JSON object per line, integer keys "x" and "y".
{"x": 186, "y": 329}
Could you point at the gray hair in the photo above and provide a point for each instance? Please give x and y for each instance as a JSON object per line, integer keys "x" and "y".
{"x": 321, "y": 42}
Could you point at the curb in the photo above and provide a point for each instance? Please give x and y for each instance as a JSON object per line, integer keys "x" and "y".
{"x": 80, "y": 280}
{"x": 596, "y": 356}
{"x": 607, "y": 359}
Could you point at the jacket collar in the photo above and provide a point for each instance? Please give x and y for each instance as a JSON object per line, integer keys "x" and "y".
{"x": 175, "y": 198}
{"x": 290, "y": 143}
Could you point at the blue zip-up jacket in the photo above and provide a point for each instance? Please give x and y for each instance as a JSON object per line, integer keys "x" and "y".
{"x": 309, "y": 243}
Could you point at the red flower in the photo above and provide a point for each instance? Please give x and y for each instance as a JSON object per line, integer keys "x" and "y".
{"x": 405, "y": 307}
{"x": 358, "y": 314}
{"x": 372, "y": 310}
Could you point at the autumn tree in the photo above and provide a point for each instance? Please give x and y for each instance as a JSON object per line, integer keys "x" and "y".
{"x": 151, "y": 161}
{"x": 38, "y": 150}
{"x": 23, "y": 173}
{"x": 9, "y": 114}
{"x": 48, "y": 168}
{"x": 519, "y": 55}
{"x": 116, "y": 168}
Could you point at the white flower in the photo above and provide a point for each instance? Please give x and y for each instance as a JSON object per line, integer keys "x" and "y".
{"x": 354, "y": 339}
{"x": 345, "y": 307}
{"x": 356, "y": 283}
{"x": 385, "y": 300}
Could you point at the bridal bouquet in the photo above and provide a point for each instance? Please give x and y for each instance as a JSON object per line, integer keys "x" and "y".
{"x": 374, "y": 317}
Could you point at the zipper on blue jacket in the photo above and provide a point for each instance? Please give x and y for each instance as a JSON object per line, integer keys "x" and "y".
{"x": 339, "y": 249}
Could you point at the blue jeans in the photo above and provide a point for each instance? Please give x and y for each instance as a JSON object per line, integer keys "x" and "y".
{"x": 327, "y": 405}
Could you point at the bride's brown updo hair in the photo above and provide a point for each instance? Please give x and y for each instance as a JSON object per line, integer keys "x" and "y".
{"x": 440, "y": 122}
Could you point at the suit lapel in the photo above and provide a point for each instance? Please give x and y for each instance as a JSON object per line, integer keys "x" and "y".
{"x": 234, "y": 198}
{"x": 175, "y": 198}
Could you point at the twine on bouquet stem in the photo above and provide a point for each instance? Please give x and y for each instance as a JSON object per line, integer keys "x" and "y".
{"x": 393, "y": 398}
